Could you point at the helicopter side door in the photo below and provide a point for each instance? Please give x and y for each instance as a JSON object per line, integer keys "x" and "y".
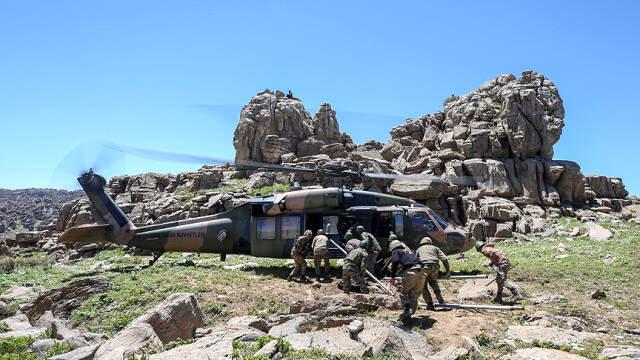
{"x": 273, "y": 236}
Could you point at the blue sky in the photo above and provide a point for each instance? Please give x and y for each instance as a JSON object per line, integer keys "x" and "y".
{"x": 174, "y": 75}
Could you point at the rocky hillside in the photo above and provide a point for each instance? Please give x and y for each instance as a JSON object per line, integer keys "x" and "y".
{"x": 31, "y": 209}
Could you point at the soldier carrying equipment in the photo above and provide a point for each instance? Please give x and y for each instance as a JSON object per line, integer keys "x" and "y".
{"x": 501, "y": 265}
{"x": 373, "y": 247}
{"x": 408, "y": 265}
{"x": 321, "y": 253}
{"x": 298, "y": 254}
{"x": 430, "y": 256}
{"x": 354, "y": 265}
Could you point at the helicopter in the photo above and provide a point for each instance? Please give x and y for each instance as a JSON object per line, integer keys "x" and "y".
{"x": 268, "y": 225}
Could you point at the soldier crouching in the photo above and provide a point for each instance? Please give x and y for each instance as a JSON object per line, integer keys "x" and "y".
{"x": 354, "y": 265}
{"x": 298, "y": 254}
{"x": 320, "y": 246}
{"x": 430, "y": 257}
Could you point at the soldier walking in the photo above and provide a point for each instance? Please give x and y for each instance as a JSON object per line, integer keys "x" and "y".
{"x": 354, "y": 265}
{"x": 430, "y": 257}
{"x": 408, "y": 266}
{"x": 298, "y": 254}
{"x": 373, "y": 247}
{"x": 320, "y": 246}
{"x": 501, "y": 265}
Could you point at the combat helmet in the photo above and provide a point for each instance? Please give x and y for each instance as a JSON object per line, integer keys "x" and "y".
{"x": 359, "y": 229}
{"x": 320, "y": 232}
{"x": 393, "y": 237}
{"x": 426, "y": 241}
{"x": 394, "y": 244}
{"x": 364, "y": 244}
{"x": 480, "y": 245}
{"x": 348, "y": 236}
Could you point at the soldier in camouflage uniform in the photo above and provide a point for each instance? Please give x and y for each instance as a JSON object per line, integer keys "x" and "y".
{"x": 501, "y": 265}
{"x": 321, "y": 253}
{"x": 408, "y": 266}
{"x": 298, "y": 254}
{"x": 354, "y": 265}
{"x": 430, "y": 257}
{"x": 373, "y": 248}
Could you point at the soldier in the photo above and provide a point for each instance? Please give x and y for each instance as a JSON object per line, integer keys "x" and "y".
{"x": 501, "y": 265}
{"x": 408, "y": 265}
{"x": 373, "y": 248}
{"x": 298, "y": 254}
{"x": 430, "y": 257}
{"x": 321, "y": 253}
{"x": 354, "y": 265}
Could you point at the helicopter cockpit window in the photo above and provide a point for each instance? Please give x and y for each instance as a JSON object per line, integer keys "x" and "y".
{"x": 290, "y": 227}
{"x": 443, "y": 224}
{"x": 330, "y": 224}
{"x": 421, "y": 220}
{"x": 266, "y": 228}
{"x": 398, "y": 222}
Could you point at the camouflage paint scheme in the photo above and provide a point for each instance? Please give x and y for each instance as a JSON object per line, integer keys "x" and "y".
{"x": 236, "y": 231}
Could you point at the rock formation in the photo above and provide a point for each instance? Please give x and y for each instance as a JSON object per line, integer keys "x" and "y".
{"x": 273, "y": 125}
{"x": 494, "y": 145}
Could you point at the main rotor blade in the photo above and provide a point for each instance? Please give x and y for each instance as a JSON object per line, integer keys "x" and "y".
{"x": 165, "y": 155}
{"x": 457, "y": 180}
{"x": 260, "y": 165}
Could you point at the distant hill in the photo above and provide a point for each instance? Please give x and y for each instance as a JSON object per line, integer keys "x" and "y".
{"x": 31, "y": 209}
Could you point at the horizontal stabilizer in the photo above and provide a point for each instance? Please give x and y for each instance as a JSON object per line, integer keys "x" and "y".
{"x": 86, "y": 233}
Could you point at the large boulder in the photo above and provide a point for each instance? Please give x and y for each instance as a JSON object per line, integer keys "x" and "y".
{"x": 419, "y": 188}
{"x": 489, "y": 175}
{"x": 177, "y": 317}
{"x": 62, "y": 301}
{"x": 499, "y": 209}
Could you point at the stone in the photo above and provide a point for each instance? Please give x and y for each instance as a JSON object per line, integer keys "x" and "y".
{"x": 82, "y": 353}
{"x": 17, "y": 293}
{"x": 472, "y": 347}
{"x": 177, "y": 317}
{"x": 42, "y": 346}
{"x": 62, "y": 301}
{"x": 553, "y": 335}
{"x": 499, "y": 209}
{"x": 419, "y": 188}
{"x": 17, "y": 322}
{"x": 542, "y": 354}
{"x": 385, "y": 338}
{"x": 268, "y": 350}
{"x": 476, "y": 289}
{"x": 620, "y": 352}
{"x": 34, "y": 332}
{"x": 490, "y": 176}
{"x": 249, "y": 321}
{"x": 450, "y": 353}
{"x": 597, "y": 232}
{"x": 218, "y": 344}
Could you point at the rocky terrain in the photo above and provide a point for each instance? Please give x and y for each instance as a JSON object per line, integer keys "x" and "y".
{"x": 574, "y": 238}
{"x": 31, "y": 209}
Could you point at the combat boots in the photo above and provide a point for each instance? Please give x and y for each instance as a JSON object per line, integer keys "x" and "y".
{"x": 406, "y": 314}
{"x": 290, "y": 278}
{"x": 439, "y": 298}
{"x": 430, "y": 306}
{"x": 497, "y": 300}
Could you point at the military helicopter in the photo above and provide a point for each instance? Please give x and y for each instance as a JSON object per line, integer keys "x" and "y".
{"x": 267, "y": 226}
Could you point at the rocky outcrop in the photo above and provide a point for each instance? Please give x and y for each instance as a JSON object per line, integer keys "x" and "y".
{"x": 273, "y": 125}
{"x": 177, "y": 317}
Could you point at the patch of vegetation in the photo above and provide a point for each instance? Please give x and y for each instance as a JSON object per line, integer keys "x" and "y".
{"x": 9, "y": 263}
{"x": 265, "y": 307}
{"x": 233, "y": 184}
{"x": 581, "y": 272}
{"x": 176, "y": 343}
{"x": 3, "y": 327}
{"x": 58, "y": 348}
{"x": 270, "y": 189}
{"x": 16, "y": 348}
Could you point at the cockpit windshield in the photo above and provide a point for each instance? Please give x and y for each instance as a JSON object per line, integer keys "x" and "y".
{"x": 443, "y": 224}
